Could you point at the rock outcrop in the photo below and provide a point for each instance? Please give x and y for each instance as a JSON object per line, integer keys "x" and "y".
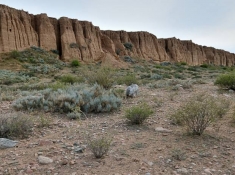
{"x": 82, "y": 40}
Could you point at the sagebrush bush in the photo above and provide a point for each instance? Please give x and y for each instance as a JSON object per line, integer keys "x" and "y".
{"x": 75, "y": 63}
{"x": 99, "y": 146}
{"x": 88, "y": 99}
{"x": 15, "y": 126}
{"x": 226, "y": 80}
{"x": 197, "y": 114}
{"x": 138, "y": 114}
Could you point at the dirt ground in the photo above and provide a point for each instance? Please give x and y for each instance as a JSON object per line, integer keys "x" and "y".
{"x": 134, "y": 150}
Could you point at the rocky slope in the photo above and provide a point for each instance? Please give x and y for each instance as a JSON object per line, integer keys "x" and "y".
{"x": 82, "y": 40}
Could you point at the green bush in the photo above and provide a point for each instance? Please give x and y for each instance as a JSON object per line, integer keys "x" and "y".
{"x": 204, "y": 66}
{"x": 197, "y": 114}
{"x": 103, "y": 77}
{"x": 226, "y": 80}
{"x": 14, "y": 54}
{"x": 70, "y": 79}
{"x": 99, "y": 146}
{"x": 15, "y": 126}
{"x": 128, "y": 46}
{"x": 128, "y": 80}
{"x": 138, "y": 114}
{"x": 75, "y": 63}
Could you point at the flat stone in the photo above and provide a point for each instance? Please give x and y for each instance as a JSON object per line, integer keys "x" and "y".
{"x": 7, "y": 143}
{"x": 161, "y": 129}
{"x": 44, "y": 160}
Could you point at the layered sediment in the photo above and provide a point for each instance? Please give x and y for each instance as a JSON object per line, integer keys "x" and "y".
{"x": 82, "y": 40}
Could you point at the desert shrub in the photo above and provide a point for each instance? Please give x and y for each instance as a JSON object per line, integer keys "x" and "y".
{"x": 55, "y": 51}
{"x": 128, "y": 46}
{"x": 204, "y": 65}
{"x": 156, "y": 77}
{"x": 223, "y": 106}
{"x": 74, "y": 45}
{"x": 69, "y": 79}
{"x": 99, "y": 146}
{"x": 197, "y": 114}
{"x": 8, "y": 77}
{"x": 14, "y": 54}
{"x": 138, "y": 114}
{"x": 43, "y": 121}
{"x": 226, "y": 80}
{"x": 88, "y": 99}
{"x": 128, "y": 80}
{"x": 15, "y": 126}
{"x": 103, "y": 77}
{"x": 178, "y": 154}
{"x": 75, "y": 63}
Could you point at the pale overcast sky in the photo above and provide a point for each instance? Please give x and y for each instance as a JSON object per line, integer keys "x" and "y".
{"x": 206, "y": 22}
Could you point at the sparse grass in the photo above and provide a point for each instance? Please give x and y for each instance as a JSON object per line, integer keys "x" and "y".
{"x": 99, "y": 146}
{"x": 178, "y": 154}
{"x": 138, "y": 114}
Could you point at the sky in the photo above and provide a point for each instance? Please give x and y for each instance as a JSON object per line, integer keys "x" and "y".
{"x": 205, "y": 22}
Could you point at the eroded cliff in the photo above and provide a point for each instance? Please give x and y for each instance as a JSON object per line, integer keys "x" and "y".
{"x": 82, "y": 40}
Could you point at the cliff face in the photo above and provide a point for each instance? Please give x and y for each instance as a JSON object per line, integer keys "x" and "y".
{"x": 81, "y": 40}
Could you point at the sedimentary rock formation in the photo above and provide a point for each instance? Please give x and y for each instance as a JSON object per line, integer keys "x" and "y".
{"x": 82, "y": 40}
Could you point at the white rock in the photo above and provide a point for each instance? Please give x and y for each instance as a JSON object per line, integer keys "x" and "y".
{"x": 44, "y": 160}
{"x": 132, "y": 90}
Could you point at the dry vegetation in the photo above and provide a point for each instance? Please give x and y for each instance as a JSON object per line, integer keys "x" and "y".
{"x": 78, "y": 116}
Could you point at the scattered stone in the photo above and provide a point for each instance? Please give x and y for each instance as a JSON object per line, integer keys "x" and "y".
{"x": 161, "y": 129}
{"x": 208, "y": 171}
{"x": 44, "y": 160}
{"x": 182, "y": 171}
{"x": 7, "y": 143}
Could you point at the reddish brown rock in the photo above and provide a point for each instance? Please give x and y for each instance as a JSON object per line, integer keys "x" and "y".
{"x": 83, "y": 41}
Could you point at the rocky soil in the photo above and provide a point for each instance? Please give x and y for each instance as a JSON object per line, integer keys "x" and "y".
{"x": 154, "y": 148}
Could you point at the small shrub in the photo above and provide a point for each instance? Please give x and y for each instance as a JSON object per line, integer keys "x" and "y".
{"x": 69, "y": 79}
{"x": 55, "y": 51}
{"x": 99, "y": 146}
{"x": 226, "y": 81}
{"x": 15, "y": 126}
{"x": 75, "y": 63}
{"x": 204, "y": 66}
{"x": 103, "y": 77}
{"x": 128, "y": 80}
{"x": 15, "y": 54}
{"x": 74, "y": 45}
{"x": 138, "y": 114}
{"x": 178, "y": 154}
{"x": 197, "y": 114}
{"x": 43, "y": 121}
{"x": 128, "y": 46}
